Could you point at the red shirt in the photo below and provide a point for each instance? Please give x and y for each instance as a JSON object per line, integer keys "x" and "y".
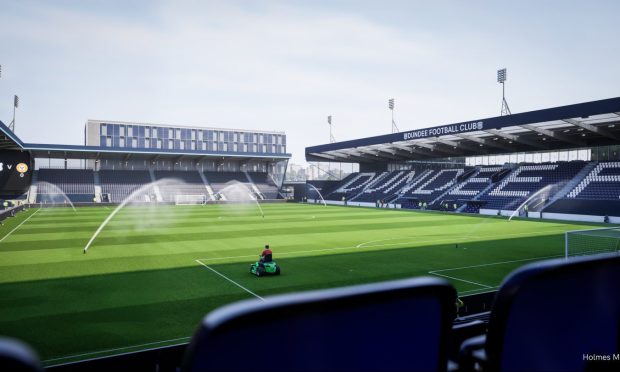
{"x": 266, "y": 252}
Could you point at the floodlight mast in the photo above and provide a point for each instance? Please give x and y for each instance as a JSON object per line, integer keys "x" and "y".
{"x": 501, "y": 78}
{"x": 15, "y": 105}
{"x": 391, "y": 107}
{"x": 331, "y": 135}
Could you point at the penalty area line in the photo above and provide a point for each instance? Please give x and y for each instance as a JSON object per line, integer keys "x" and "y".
{"x": 18, "y": 226}
{"x": 230, "y": 280}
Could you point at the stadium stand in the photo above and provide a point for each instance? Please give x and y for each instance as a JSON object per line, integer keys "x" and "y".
{"x": 121, "y": 183}
{"x": 351, "y": 186}
{"x": 475, "y": 184}
{"x": 413, "y": 337}
{"x": 191, "y": 184}
{"x": 265, "y": 185}
{"x": 579, "y": 319}
{"x": 385, "y": 190}
{"x": 527, "y": 179}
{"x": 220, "y": 182}
{"x": 602, "y": 183}
{"x": 77, "y": 184}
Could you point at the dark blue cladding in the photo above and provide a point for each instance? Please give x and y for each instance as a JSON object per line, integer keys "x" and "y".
{"x": 586, "y": 109}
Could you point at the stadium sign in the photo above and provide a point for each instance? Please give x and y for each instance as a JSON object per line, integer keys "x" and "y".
{"x": 446, "y": 129}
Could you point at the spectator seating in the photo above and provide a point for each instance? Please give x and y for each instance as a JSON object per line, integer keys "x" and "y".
{"x": 398, "y": 325}
{"x": 264, "y": 184}
{"x": 386, "y": 186}
{"x": 220, "y": 181}
{"x": 602, "y": 183}
{"x": 121, "y": 183}
{"x": 552, "y": 315}
{"x": 432, "y": 185}
{"x": 16, "y": 356}
{"x": 77, "y": 184}
{"x": 475, "y": 184}
{"x": 352, "y": 186}
{"x": 528, "y": 179}
{"x": 191, "y": 184}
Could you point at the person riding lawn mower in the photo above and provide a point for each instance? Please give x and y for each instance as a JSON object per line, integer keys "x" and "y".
{"x": 265, "y": 265}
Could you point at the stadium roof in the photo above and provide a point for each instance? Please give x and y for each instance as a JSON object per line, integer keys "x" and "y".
{"x": 9, "y": 141}
{"x": 581, "y": 125}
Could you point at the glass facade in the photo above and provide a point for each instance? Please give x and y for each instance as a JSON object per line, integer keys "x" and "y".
{"x": 141, "y": 136}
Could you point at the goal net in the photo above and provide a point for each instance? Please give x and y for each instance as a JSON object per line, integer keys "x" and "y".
{"x": 185, "y": 199}
{"x": 594, "y": 241}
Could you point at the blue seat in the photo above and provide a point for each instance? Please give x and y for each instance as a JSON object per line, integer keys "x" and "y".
{"x": 397, "y": 325}
{"x": 548, "y": 315}
{"x": 16, "y": 356}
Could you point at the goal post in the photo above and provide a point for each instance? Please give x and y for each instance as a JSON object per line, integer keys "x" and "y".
{"x": 190, "y": 199}
{"x": 592, "y": 241}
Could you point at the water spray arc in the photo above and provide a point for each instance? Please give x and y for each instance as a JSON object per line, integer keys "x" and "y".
{"x": 128, "y": 199}
{"x": 318, "y": 192}
{"x": 541, "y": 191}
{"x": 55, "y": 191}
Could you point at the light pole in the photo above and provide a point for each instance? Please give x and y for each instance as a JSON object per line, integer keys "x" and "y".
{"x": 331, "y": 135}
{"x": 391, "y": 107}
{"x": 15, "y": 105}
{"x": 501, "y": 78}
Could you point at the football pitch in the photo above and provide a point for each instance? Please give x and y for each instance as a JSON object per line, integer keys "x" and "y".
{"x": 154, "y": 272}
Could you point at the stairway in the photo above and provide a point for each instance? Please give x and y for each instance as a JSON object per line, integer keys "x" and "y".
{"x": 97, "y": 182}
{"x": 207, "y": 186}
{"x": 32, "y": 192}
{"x": 570, "y": 185}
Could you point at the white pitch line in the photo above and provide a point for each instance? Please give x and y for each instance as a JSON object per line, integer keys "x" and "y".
{"x": 18, "y": 226}
{"x": 116, "y": 349}
{"x": 230, "y": 280}
{"x": 462, "y": 280}
{"x": 478, "y": 290}
{"x": 494, "y": 263}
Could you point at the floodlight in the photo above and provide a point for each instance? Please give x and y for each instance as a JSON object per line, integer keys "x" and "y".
{"x": 501, "y": 75}
{"x": 329, "y": 120}
{"x": 391, "y": 103}
{"x": 16, "y": 101}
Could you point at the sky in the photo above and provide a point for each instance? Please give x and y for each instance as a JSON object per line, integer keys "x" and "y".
{"x": 287, "y": 65}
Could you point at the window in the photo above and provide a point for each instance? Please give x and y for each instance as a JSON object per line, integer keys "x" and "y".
{"x": 170, "y": 133}
{"x": 193, "y": 145}
{"x": 122, "y": 133}
{"x": 245, "y": 147}
{"x": 104, "y": 129}
{"x": 225, "y": 146}
{"x": 122, "y": 142}
{"x": 170, "y": 144}
{"x": 178, "y": 133}
{"x": 147, "y": 144}
{"x": 159, "y": 143}
{"x": 193, "y": 134}
{"x": 204, "y": 146}
{"x": 235, "y": 148}
{"x": 200, "y": 135}
{"x": 130, "y": 131}
{"x": 182, "y": 145}
{"x": 134, "y": 142}
{"x": 108, "y": 141}
{"x": 147, "y": 132}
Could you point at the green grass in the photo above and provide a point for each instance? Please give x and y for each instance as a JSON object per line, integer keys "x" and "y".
{"x": 143, "y": 283}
